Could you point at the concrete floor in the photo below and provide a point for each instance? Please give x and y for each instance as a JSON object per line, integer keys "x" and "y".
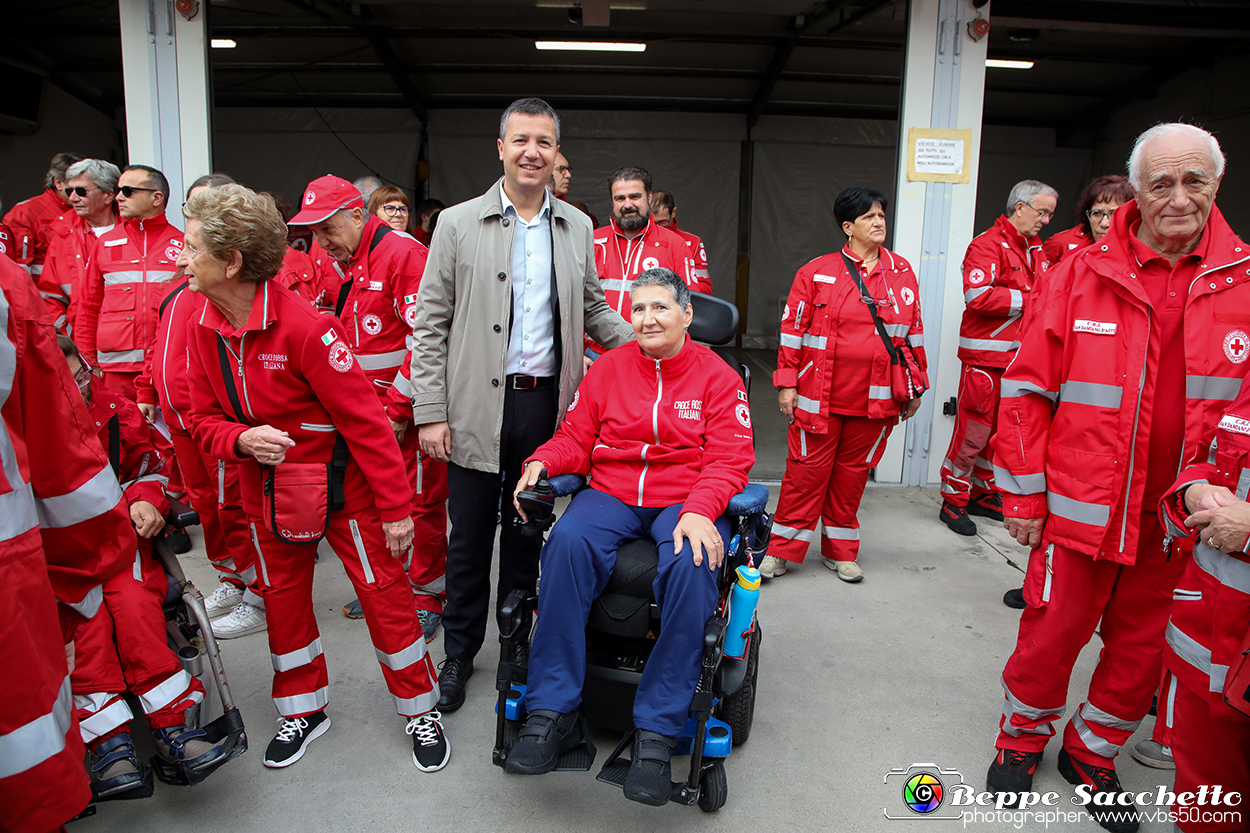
{"x": 855, "y": 680}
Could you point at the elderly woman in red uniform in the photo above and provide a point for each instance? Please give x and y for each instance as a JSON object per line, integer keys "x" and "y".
{"x": 280, "y": 390}
{"x": 1094, "y": 207}
{"x": 663, "y": 428}
{"x": 834, "y": 385}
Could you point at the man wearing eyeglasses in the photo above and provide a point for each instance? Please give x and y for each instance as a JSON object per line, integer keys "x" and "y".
{"x": 89, "y": 187}
{"x": 122, "y": 289}
{"x": 1001, "y": 267}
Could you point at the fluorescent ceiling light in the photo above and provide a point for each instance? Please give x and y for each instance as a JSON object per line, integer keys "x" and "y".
{"x": 616, "y": 7}
{"x": 589, "y": 46}
{"x": 1000, "y": 64}
{"x": 223, "y": 43}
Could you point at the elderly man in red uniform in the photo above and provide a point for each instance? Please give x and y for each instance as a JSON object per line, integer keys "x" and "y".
{"x": 664, "y": 212}
{"x": 56, "y": 481}
{"x": 1001, "y": 267}
{"x": 122, "y": 290}
{"x": 1128, "y": 362}
{"x": 89, "y": 187}
{"x": 29, "y": 220}
{"x": 372, "y": 281}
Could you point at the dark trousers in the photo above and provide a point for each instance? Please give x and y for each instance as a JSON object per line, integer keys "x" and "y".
{"x": 529, "y": 420}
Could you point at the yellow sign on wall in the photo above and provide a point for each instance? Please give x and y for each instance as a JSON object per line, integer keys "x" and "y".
{"x": 936, "y": 154}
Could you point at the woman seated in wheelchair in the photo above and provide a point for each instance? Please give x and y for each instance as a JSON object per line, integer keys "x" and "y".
{"x": 662, "y": 428}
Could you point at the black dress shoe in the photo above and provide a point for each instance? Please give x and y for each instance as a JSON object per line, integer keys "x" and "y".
{"x": 544, "y": 737}
{"x": 1014, "y": 599}
{"x": 452, "y": 675}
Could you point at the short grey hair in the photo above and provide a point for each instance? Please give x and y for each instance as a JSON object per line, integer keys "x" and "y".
{"x": 667, "y": 278}
{"x": 103, "y": 174}
{"x": 1192, "y": 130}
{"x": 366, "y": 185}
{"x": 1025, "y": 190}
{"x": 528, "y": 107}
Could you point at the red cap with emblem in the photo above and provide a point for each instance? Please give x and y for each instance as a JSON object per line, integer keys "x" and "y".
{"x": 324, "y": 196}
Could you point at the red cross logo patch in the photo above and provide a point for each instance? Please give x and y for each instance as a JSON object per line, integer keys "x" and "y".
{"x": 1236, "y": 345}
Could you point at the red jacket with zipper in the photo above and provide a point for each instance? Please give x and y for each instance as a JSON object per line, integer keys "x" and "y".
{"x": 293, "y": 370}
{"x": 656, "y": 432}
{"x": 620, "y": 259}
{"x": 142, "y": 451}
{"x": 1077, "y": 402}
{"x": 121, "y": 291}
{"x": 164, "y": 377}
{"x": 70, "y": 253}
{"x": 1063, "y": 243}
{"x": 699, "y": 280}
{"x": 1000, "y": 269}
{"x": 30, "y": 221}
{"x": 810, "y": 325}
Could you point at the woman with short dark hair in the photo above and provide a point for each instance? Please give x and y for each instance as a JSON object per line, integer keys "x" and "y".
{"x": 834, "y": 384}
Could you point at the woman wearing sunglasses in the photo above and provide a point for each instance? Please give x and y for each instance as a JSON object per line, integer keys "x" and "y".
{"x": 389, "y": 205}
{"x": 1098, "y": 201}
{"x": 834, "y": 384}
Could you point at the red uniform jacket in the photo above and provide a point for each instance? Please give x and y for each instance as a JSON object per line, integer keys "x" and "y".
{"x": 1063, "y": 243}
{"x": 1000, "y": 269}
{"x": 809, "y": 328}
{"x": 1211, "y": 605}
{"x": 656, "y": 432}
{"x": 700, "y": 280}
{"x": 299, "y": 274}
{"x": 382, "y": 302}
{"x": 164, "y": 377}
{"x": 29, "y": 221}
{"x": 142, "y": 452}
{"x": 121, "y": 291}
{"x": 7, "y": 248}
{"x": 70, "y": 253}
{"x": 293, "y": 370}
{"x": 619, "y": 259}
{"x": 1077, "y": 402}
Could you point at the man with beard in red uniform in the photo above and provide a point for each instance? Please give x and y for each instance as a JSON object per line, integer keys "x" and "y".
{"x": 376, "y": 299}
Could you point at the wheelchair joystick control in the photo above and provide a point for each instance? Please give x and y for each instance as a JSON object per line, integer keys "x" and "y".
{"x": 539, "y": 504}
{"x": 743, "y": 598}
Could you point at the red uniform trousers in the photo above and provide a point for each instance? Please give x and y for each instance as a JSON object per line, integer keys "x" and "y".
{"x": 124, "y": 648}
{"x": 1209, "y": 751}
{"x": 300, "y": 679}
{"x": 213, "y": 490}
{"x": 1068, "y": 593}
{"x": 35, "y": 795}
{"x": 825, "y": 478}
{"x": 967, "y": 471}
{"x": 427, "y": 563}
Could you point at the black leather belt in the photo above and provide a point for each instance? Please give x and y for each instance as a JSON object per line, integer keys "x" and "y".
{"x": 519, "y": 381}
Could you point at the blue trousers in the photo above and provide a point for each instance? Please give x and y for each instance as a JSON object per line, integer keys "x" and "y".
{"x": 576, "y": 564}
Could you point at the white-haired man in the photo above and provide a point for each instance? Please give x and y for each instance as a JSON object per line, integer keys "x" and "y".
{"x": 90, "y": 186}
{"x": 1129, "y": 359}
{"x": 1001, "y": 268}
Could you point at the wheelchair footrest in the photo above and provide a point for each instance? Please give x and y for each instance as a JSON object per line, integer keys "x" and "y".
{"x": 228, "y": 727}
{"x": 613, "y": 772}
{"x": 580, "y": 758}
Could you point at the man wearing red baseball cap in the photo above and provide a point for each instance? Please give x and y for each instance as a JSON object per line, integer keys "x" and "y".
{"x": 371, "y": 278}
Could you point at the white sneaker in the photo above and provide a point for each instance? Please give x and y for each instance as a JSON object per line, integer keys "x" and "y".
{"x": 772, "y": 566}
{"x": 244, "y": 619}
{"x": 223, "y": 600}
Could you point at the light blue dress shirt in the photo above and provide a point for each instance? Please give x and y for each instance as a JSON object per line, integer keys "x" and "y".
{"x": 531, "y": 343}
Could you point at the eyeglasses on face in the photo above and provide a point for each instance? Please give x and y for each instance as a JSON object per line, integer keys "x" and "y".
{"x": 80, "y": 190}
{"x": 392, "y": 210}
{"x": 562, "y": 169}
{"x": 129, "y": 190}
{"x": 1043, "y": 213}
{"x": 1097, "y": 215}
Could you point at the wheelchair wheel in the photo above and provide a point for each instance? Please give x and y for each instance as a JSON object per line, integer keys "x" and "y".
{"x": 713, "y": 787}
{"x": 738, "y": 709}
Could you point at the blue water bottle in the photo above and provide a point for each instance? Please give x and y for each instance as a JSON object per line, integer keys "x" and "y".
{"x": 742, "y": 601}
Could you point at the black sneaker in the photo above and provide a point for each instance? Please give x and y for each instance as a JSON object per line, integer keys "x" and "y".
{"x": 178, "y": 539}
{"x": 294, "y": 735}
{"x": 1101, "y": 779}
{"x": 956, "y": 517}
{"x": 1014, "y": 599}
{"x": 430, "y": 748}
{"x": 544, "y": 737}
{"x": 1011, "y": 771}
{"x": 453, "y": 673}
{"x": 650, "y": 776}
{"x": 987, "y": 506}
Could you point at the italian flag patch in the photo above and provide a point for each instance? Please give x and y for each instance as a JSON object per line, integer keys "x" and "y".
{"x": 329, "y": 337}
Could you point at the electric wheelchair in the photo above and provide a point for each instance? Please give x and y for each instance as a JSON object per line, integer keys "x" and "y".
{"x": 623, "y": 623}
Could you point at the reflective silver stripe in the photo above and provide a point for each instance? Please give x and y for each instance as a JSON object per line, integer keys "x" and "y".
{"x": 119, "y": 357}
{"x": 1019, "y": 484}
{"x": 1090, "y": 712}
{"x": 1094, "y": 514}
{"x": 434, "y": 588}
{"x": 105, "y": 720}
{"x": 981, "y": 483}
{"x": 90, "y": 603}
{"x": 254, "y": 600}
{"x": 1171, "y": 713}
{"x": 313, "y": 426}
{"x": 790, "y": 533}
{"x": 115, "y": 278}
{"x": 817, "y": 342}
{"x": 90, "y": 500}
{"x": 880, "y": 438}
{"x": 1013, "y": 388}
{"x": 403, "y": 385}
{"x": 35, "y": 269}
{"x": 401, "y": 659}
{"x": 949, "y": 465}
{"x": 838, "y": 533}
{"x": 981, "y": 463}
{"x": 1212, "y": 387}
{"x": 413, "y": 706}
{"x": 812, "y": 406}
{"x": 1219, "y": 673}
{"x": 615, "y": 285}
{"x": 1243, "y": 483}
{"x": 989, "y": 344}
{"x": 972, "y": 294}
{"x": 167, "y": 693}
{"x": 880, "y": 392}
{"x": 249, "y": 575}
{"x": 381, "y": 361}
{"x": 1222, "y": 567}
{"x": 298, "y": 657}
{"x": 1189, "y": 649}
{"x": 360, "y": 551}
{"x": 264, "y": 571}
{"x": 1094, "y": 742}
{"x": 1017, "y": 301}
{"x": 221, "y": 482}
{"x": 1013, "y": 706}
{"x": 301, "y": 704}
{"x": 66, "y": 288}
{"x": 916, "y": 339}
{"x": 147, "y": 478}
{"x": 802, "y": 443}
{"x": 1091, "y": 393}
{"x": 791, "y": 340}
{"x": 29, "y": 745}
{"x": 897, "y": 330}
{"x": 17, "y": 508}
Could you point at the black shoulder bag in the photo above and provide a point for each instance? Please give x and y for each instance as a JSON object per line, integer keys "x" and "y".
{"x": 907, "y": 380}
